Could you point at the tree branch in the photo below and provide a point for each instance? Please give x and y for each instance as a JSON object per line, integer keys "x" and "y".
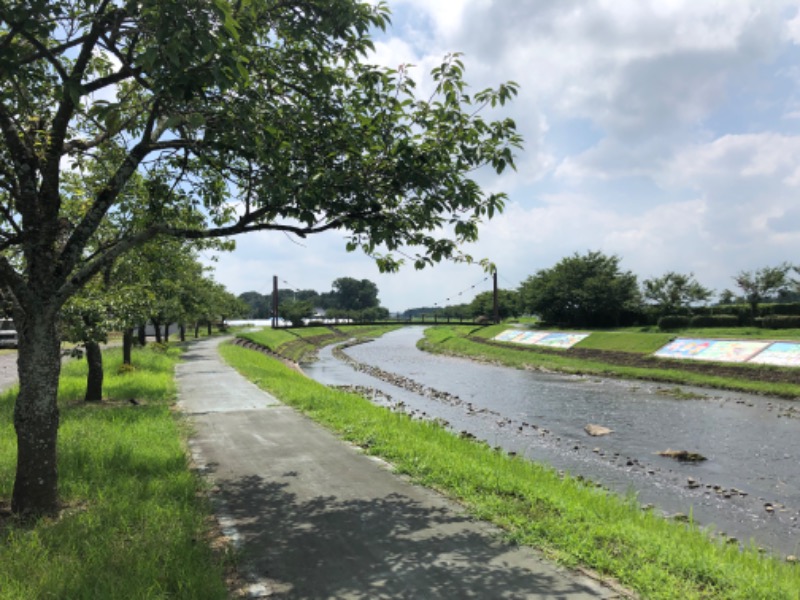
{"x": 73, "y": 249}
{"x": 23, "y": 159}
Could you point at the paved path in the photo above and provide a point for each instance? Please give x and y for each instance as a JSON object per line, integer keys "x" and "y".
{"x": 316, "y": 518}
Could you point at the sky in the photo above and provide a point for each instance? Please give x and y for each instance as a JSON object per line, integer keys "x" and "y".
{"x": 665, "y": 132}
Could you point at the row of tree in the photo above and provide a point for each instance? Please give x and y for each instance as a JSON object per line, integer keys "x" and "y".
{"x": 349, "y": 298}
{"x": 160, "y": 284}
{"x": 591, "y": 290}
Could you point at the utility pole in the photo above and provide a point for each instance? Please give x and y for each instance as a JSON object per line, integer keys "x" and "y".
{"x": 494, "y": 297}
{"x": 274, "y": 301}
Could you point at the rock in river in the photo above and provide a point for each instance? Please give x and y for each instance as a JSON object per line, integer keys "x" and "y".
{"x": 597, "y": 430}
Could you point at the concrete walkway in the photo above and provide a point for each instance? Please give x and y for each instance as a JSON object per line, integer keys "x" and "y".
{"x": 316, "y": 518}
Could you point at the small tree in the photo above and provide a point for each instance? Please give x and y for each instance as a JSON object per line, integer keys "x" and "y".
{"x": 507, "y": 304}
{"x": 726, "y": 296}
{"x": 758, "y": 285}
{"x": 295, "y": 312}
{"x": 674, "y": 292}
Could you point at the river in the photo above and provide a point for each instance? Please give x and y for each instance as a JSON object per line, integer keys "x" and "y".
{"x": 748, "y": 488}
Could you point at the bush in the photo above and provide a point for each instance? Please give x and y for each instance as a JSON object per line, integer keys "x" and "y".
{"x": 670, "y": 322}
{"x": 780, "y": 322}
{"x": 739, "y": 310}
{"x": 792, "y": 308}
{"x": 714, "y": 321}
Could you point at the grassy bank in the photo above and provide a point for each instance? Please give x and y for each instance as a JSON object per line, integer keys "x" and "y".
{"x": 302, "y": 343}
{"x": 134, "y": 524}
{"x": 461, "y": 341}
{"x": 571, "y": 521}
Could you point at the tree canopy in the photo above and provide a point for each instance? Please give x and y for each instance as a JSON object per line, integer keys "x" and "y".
{"x": 581, "y": 291}
{"x": 759, "y": 284}
{"x": 210, "y": 118}
{"x": 674, "y": 292}
{"x": 353, "y": 294}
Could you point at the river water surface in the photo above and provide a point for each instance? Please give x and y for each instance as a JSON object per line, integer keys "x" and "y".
{"x": 748, "y": 488}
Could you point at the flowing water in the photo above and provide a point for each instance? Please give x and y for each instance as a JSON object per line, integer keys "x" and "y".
{"x": 748, "y": 488}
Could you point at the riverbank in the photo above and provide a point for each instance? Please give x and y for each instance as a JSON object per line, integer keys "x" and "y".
{"x": 603, "y": 357}
{"x": 570, "y": 520}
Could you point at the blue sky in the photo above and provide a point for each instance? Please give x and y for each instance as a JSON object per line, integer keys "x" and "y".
{"x": 665, "y": 132}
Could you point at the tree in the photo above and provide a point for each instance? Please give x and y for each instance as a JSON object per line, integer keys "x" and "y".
{"x": 352, "y": 294}
{"x": 760, "y": 284}
{"x": 229, "y": 117}
{"x": 295, "y": 312}
{"x": 727, "y": 297}
{"x": 258, "y": 305}
{"x": 581, "y": 291}
{"x": 674, "y": 292}
{"x": 507, "y": 304}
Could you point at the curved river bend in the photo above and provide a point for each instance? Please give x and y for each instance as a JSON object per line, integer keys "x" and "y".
{"x": 748, "y": 488}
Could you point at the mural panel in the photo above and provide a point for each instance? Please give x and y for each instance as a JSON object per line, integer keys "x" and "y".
{"x": 540, "y": 338}
{"x": 782, "y": 354}
{"x": 716, "y": 350}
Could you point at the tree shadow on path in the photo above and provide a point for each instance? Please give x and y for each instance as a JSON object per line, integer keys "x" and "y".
{"x": 391, "y": 547}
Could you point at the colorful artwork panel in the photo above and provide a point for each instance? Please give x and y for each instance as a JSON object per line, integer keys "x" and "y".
{"x": 532, "y": 337}
{"x": 732, "y": 351}
{"x": 683, "y": 348}
{"x": 540, "y": 338}
{"x": 782, "y": 354}
{"x": 507, "y": 336}
{"x": 562, "y": 340}
{"x": 716, "y": 350}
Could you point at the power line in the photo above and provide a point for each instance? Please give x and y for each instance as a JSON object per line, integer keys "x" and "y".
{"x": 466, "y": 290}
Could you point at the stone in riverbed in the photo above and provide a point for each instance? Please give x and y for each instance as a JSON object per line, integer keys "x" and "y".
{"x": 684, "y": 455}
{"x": 597, "y": 430}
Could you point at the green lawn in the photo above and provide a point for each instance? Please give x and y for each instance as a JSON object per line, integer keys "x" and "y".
{"x": 135, "y": 519}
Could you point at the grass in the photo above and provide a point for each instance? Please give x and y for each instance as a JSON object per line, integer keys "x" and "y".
{"x": 621, "y": 341}
{"x": 301, "y": 344}
{"x": 454, "y": 340}
{"x": 135, "y": 522}
{"x": 573, "y": 522}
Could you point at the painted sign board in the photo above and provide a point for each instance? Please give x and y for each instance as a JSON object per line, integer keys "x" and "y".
{"x": 781, "y": 354}
{"x": 540, "y": 338}
{"x": 737, "y": 351}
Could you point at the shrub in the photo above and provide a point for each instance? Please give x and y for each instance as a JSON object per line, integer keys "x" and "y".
{"x": 780, "y": 322}
{"x": 670, "y": 322}
{"x": 792, "y": 308}
{"x": 124, "y": 369}
{"x": 714, "y": 321}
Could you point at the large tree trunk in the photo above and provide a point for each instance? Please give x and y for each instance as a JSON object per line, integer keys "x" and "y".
{"x": 208, "y": 323}
{"x": 182, "y": 330}
{"x": 127, "y": 345}
{"x": 157, "y": 327}
{"x": 36, "y": 414}
{"x": 196, "y": 329}
{"x": 166, "y": 332}
{"x": 142, "y": 335}
{"x": 94, "y": 380}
